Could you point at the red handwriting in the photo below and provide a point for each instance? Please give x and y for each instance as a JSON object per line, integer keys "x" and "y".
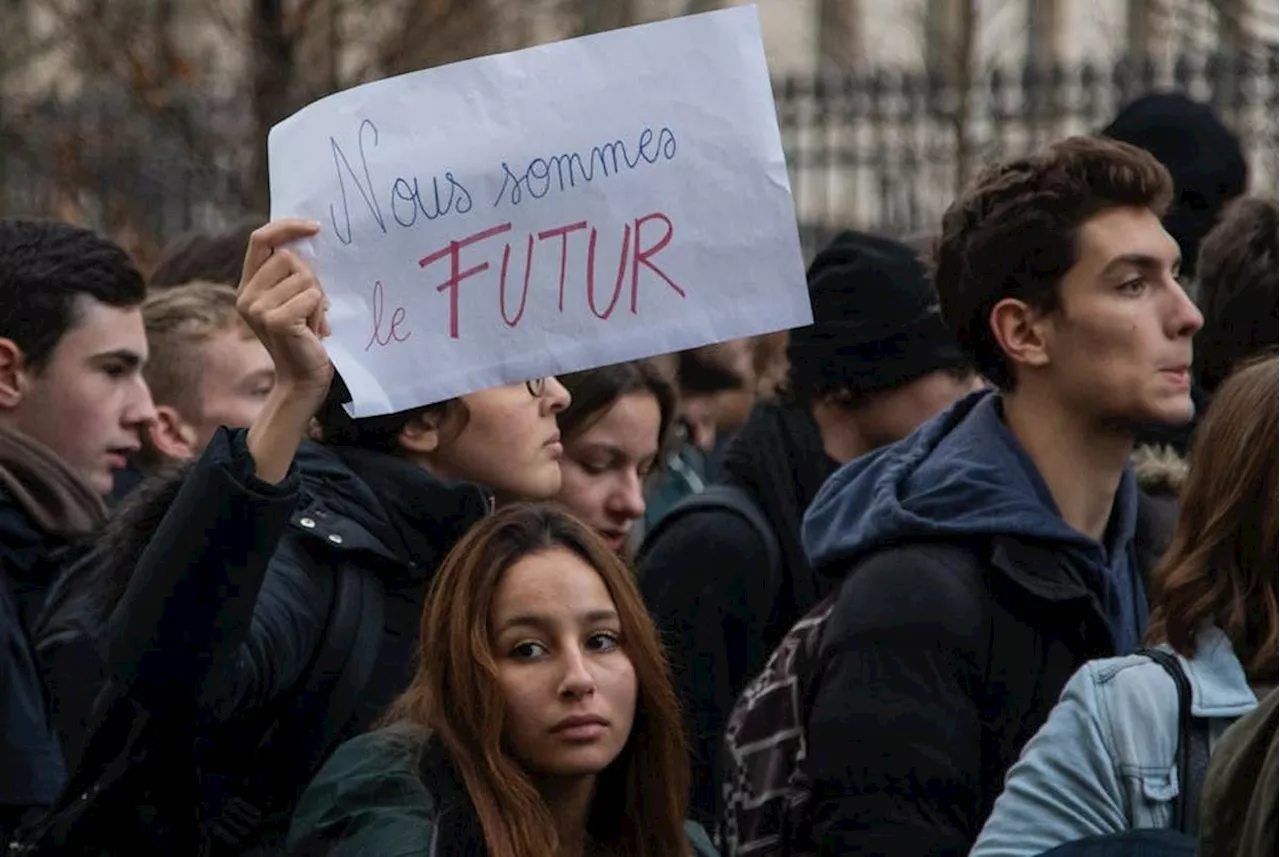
{"x": 643, "y": 256}
{"x": 392, "y": 334}
{"x": 453, "y": 250}
{"x": 563, "y": 232}
{"x": 631, "y": 249}
{"x": 617, "y": 284}
{"x": 524, "y": 295}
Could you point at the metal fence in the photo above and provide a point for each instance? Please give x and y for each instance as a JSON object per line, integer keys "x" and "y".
{"x": 884, "y": 151}
{"x": 888, "y": 150}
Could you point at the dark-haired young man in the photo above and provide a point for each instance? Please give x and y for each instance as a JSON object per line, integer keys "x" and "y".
{"x": 989, "y": 554}
{"x": 207, "y": 369}
{"x": 72, "y": 404}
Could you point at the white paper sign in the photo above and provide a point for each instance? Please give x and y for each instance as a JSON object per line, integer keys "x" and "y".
{"x": 553, "y": 209}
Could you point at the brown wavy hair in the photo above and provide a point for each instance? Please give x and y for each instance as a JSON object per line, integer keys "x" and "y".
{"x": 1221, "y": 565}
{"x": 641, "y": 798}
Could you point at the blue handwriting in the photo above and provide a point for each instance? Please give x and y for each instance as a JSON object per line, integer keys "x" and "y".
{"x": 407, "y": 198}
{"x": 566, "y": 170}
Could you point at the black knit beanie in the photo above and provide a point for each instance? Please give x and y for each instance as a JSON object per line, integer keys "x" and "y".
{"x": 1201, "y": 154}
{"x": 876, "y": 321}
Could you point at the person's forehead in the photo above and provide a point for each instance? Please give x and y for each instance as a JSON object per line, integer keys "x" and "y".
{"x": 233, "y": 349}
{"x": 96, "y": 326}
{"x": 628, "y": 420}
{"x": 1120, "y": 232}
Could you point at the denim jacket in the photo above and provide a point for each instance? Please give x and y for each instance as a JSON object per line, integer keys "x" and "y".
{"x": 1106, "y": 760}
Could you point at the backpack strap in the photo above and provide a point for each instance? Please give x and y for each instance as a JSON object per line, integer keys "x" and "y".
{"x": 337, "y": 676}
{"x": 763, "y": 785}
{"x": 723, "y": 497}
{"x": 353, "y": 641}
{"x": 1193, "y": 745}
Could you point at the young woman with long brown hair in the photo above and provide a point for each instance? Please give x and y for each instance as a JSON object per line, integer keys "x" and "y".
{"x": 541, "y": 720}
{"x": 1107, "y": 761}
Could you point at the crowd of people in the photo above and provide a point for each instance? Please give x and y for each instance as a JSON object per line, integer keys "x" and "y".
{"x": 982, "y": 561}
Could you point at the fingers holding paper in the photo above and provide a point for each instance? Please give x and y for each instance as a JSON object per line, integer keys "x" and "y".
{"x": 284, "y": 304}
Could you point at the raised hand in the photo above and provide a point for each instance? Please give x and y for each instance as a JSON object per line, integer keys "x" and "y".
{"x": 281, "y": 300}
{"x": 283, "y": 303}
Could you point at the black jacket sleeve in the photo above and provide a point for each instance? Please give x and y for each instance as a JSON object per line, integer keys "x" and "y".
{"x": 196, "y": 627}
{"x": 894, "y": 731}
{"x": 707, "y": 582}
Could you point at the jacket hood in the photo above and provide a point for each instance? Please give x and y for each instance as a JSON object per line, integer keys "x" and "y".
{"x": 961, "y": 474}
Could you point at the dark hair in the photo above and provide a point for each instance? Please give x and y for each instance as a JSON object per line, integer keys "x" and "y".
{"x": 1014, "y": 233}
{"x": 378, "y": 434}
{"x": 641, "y": 798}
{"x": 595, "y": 390}
{"x": 45, "y": 267}
{"x": 1221, "y": 565}
{"x": 1239, "y": 289}
{"x": 213, "y": 257}
{"x": 698, "y": 375}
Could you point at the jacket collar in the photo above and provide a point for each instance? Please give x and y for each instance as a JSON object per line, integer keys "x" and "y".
{"x": 1040, "y": 571}
{"x": 361, "y": 502}
{"x": 1219, "y": 687}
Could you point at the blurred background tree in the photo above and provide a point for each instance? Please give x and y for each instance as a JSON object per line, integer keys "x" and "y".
{"x": 147, "y": 118}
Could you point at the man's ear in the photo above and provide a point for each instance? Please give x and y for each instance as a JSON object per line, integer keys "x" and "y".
{"x": 171, "y": 435}
{"x": 13, "y": 374}
{"x": 421, "y": 434}
{"x": 1020, "y": 331}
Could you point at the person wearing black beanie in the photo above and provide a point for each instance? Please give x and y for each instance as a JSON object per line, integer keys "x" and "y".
{"x": 724, "y": 573}
{"x": 876, "y": 326}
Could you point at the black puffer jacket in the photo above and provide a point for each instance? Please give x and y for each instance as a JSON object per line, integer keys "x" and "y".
{"x": 966, "y": 604}
{"x": 217, "y": 629}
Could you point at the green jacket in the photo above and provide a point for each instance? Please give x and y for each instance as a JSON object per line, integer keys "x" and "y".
{"x": 372, "y": 799}
{"x": 1238, "y": 815}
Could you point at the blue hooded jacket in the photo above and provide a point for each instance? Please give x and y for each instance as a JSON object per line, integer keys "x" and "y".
{"x": 965, "y": 474}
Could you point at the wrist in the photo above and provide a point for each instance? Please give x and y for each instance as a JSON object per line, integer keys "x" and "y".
{"x": 298, "y": 396}
{"x": 279, "y": 429}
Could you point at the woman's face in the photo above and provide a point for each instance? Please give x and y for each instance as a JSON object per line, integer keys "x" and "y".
{"x": 509, "y": 442}
{"x": 570, "y": 688}
{"x": 605, "y": 466}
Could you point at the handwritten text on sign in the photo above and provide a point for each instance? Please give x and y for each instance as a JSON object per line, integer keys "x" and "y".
{"x": 549, "y": 210}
